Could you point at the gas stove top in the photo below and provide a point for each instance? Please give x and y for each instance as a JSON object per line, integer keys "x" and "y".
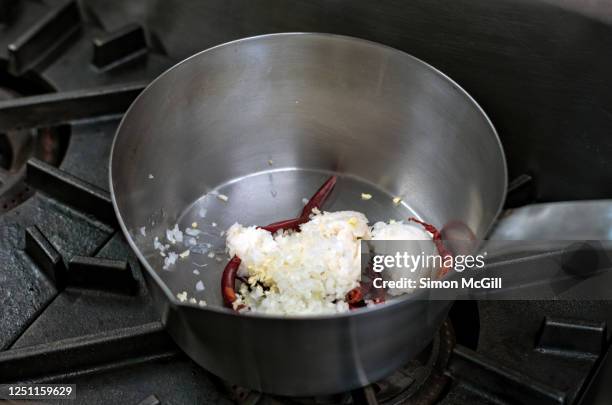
{"x": 73, "y": 305}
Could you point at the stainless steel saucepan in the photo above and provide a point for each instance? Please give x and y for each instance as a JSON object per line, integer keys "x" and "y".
{"x": 264, "y": 121}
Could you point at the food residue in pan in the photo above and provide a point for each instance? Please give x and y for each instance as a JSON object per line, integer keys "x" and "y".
{"x": 179, "y": 244}
{"x": 184, "y": 297}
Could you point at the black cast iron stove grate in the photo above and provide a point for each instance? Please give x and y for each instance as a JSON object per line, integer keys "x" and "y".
{"x": 73, "y": 304}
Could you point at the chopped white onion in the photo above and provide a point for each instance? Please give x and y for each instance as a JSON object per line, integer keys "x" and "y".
{"x": 192, "y": 232}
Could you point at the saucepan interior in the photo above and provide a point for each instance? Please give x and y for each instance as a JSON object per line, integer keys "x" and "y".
{"x": 265, "y": 120}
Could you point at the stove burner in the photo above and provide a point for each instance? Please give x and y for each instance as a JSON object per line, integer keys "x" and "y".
{"x": 420, "y": 382}
{"x": 17, "y": 146}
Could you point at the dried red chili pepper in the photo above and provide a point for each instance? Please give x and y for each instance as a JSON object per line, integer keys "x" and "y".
{"x": 287, "y": 224}
{"x": 357, "y": 295}
{"x": 354, "y": 296}
{"x": 317, "y": 200}
{"x": 228, "y": 279}
{"x": 437, "y": 239}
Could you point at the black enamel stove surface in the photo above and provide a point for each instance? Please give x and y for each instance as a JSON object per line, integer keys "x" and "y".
{"x": 73, "y": 306}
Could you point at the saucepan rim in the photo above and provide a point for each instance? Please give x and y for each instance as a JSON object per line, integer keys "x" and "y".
{"x": 227, "y": 311}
